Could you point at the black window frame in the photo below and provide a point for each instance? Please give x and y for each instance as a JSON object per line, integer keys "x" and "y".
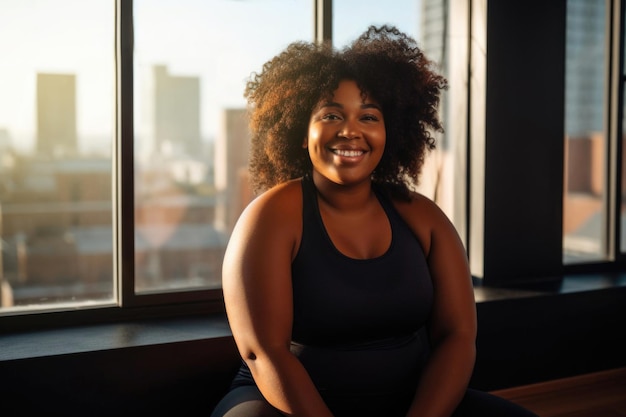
{"x": 516, "y": 144}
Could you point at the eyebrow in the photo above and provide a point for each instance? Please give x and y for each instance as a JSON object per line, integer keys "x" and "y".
{"x": 340, "y": 106}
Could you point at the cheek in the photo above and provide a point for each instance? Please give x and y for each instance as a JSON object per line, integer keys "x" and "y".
{"x": 380, "y": 137}
{"x": 312, "y": 139}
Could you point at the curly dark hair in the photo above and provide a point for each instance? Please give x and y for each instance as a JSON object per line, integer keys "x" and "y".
{"x": 386, "y": 64}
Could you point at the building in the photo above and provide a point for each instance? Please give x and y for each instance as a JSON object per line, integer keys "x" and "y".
{"x": 176, "y": 114}
{"x": 231, "y": 162}
{"x": 56, "y": 114}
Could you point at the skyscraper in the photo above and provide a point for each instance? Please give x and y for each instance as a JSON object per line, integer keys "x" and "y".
{"x": 176, "y": 112}
{"x": 56, "y": 114}
{"x": 231, "y": 162}
{"x": 585, "y": 68}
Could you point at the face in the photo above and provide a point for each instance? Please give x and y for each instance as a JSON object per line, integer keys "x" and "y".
{"x": 346, "y": 136}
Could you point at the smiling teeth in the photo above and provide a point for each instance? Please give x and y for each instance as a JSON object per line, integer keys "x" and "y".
{"x": 347, "y": 152}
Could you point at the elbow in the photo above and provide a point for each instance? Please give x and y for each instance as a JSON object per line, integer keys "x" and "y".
{"x": 252, "y": 357}
{"x": 249, "y": 356}
{"x": 256, "y": 356}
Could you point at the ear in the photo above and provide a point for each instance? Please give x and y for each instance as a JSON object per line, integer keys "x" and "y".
{"x": 305, "y": 143}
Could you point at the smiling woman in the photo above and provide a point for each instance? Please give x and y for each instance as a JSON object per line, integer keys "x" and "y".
{"x": 347, "y": 293}
{"x": 346, "y": 137}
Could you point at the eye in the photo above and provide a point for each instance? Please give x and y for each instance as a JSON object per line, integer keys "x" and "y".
{"x": 370, "y": 118}
{"x": 331, "y": 116}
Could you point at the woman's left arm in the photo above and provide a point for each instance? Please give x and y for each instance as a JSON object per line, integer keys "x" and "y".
{"x": 452, "y": 325}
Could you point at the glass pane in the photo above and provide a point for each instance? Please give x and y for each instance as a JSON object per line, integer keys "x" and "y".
{"x": 427, "y": 21}
{"x": 352, "y": 17}
{"x": 192, "y": 59}
{"x": 585, "y": 134}
{"x": 56, "y": 129}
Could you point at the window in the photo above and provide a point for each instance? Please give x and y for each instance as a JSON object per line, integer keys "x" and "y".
{"x": 585, "y": 195}
{"x": 56, "y": 135}
{"x": 67, "y": 240}
{"x": 593, "y": 184}
{"x": 122, "y": 137}
{"x": 190, "y": 135}
{"x": 86, "y": 225}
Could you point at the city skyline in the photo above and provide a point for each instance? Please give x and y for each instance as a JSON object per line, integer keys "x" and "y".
{"x": 166, "y": 33}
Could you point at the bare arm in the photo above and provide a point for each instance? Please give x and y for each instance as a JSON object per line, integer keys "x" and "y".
{"x": 258, "y": 298}
{"x": 453, "y": 322}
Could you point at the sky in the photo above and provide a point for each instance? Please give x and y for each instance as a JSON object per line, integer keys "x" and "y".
{"x": 220, "y": 41}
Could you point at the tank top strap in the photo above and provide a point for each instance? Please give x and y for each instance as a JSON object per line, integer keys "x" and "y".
{"x": 310, "y": 207}
{"x": 308, "y": 191}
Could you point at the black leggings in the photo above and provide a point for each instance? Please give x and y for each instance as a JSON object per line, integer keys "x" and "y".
{"x": 247, "y": 401}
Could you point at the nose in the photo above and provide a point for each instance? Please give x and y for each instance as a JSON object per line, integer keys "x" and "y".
{"x": 349, "y": 130}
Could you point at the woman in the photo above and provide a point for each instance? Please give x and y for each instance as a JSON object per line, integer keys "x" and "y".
{"x": 348, "y": 294}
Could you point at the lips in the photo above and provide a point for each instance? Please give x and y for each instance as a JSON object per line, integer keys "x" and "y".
{"x": 348, "y": 153}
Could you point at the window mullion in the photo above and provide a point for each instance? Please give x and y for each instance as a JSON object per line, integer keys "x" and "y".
{"x": 614, "y": 145}
{"x": 619, "y": 127}
{"x": 124, "y": 159}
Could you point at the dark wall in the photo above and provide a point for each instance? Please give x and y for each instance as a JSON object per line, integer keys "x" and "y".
{"x": 182, "y": 378}
{"x": 529, "y": 340}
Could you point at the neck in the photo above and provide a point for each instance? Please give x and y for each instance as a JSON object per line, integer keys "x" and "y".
{"x": 343, "y": 197}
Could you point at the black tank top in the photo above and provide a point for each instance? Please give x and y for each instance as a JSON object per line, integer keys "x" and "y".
{"x": 342, "y": 301}
{"x": 358, "y": 324}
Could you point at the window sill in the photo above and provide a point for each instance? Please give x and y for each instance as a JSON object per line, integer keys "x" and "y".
{"x": 152, "y": 332}
{"x": 101, "y": 337}
{"x": 568, "y": 285}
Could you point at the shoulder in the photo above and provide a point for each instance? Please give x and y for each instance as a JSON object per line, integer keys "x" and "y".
{"x": 424, "y": 217}
{"x": 273, "y": 217}
{"x": 280, "y": 200}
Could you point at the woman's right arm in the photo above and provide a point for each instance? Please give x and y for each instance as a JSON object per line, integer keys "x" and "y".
{"x": 258, "y": 296}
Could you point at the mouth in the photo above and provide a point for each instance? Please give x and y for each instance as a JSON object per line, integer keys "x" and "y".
{"x": 348, "y": 153}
